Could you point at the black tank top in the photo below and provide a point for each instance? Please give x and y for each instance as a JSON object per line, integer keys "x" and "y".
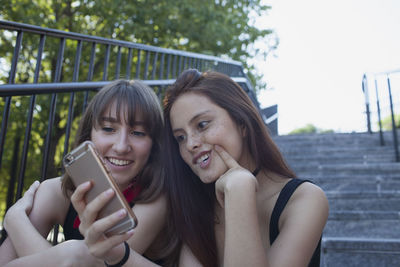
{"x": 280, "y": 204}
{"x": 69, "y": 231}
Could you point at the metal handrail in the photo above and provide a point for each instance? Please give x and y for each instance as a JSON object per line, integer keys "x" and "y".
{"x": 155, "y": 66}
{"x": 375, "y": 76}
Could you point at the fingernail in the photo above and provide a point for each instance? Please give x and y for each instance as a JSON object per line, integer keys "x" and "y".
{"x": 130, "y": 232}
{"x": 121, "y": 213}
{"x": 109, "y": 192}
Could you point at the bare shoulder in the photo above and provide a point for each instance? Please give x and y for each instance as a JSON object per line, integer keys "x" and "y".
{"x": 300, "y": 226}
{"x": 50, "y": 201}
{"x": 308, "y": 192}
{"x": 308, "y": 201}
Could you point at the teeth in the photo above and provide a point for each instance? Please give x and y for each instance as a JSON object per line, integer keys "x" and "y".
{"x": 203, "y": 158}
{"x": 119, "y": 162}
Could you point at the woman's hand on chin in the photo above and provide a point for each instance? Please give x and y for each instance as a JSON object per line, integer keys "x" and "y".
{"x": 235, "y": 178}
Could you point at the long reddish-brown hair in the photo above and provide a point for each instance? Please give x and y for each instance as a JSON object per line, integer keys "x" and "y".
{"x": 191, "y": 201}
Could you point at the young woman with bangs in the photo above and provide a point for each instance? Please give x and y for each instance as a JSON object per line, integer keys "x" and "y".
{"x": 124, "y": 121}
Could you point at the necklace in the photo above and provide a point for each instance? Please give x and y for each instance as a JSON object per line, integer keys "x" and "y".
{"x": 256, "y": 171}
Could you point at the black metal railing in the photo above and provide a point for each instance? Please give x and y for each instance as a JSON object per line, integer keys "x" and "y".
{"x": 386, "y": 101}
{"x": 47, "y": 76}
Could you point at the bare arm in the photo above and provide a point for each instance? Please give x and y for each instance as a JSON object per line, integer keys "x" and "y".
{"x": 49, "y": 206}
{"x": 68, "y": 253}
{"x": 301, "y": 223}
{"x": 7, "y": 252}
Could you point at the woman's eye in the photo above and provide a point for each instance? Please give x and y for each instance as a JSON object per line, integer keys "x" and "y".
{"x": 202, "y": 124}
{"x": 107, "y": 129}
{"x": 179, "y": 138}
{"x": 138, "y": 133}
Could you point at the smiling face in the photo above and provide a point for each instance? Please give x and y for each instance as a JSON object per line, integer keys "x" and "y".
{"x": 198, "y": 124}
{"x": 125, "y": 147}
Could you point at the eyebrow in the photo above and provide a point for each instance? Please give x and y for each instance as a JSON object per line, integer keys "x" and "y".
{"x": 192, "y": 119}
{"x": 114, "y": 120}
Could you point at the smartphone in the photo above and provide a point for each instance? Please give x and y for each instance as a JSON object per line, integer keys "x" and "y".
{"x": 83, "y": 164}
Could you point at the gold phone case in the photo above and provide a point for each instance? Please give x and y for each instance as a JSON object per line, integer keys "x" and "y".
{"x": 83, "y": 164}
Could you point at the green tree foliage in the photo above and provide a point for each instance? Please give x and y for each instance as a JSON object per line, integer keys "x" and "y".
{"x": 309, "y": 129}
{"x": 214, "y": 27}
{"x": 387, "y": 122}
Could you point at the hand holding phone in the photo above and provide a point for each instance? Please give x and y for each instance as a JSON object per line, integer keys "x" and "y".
{"x": 84, "y": 164}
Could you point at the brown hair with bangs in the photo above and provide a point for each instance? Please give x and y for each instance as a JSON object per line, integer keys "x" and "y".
{"x": 139, "y": 101}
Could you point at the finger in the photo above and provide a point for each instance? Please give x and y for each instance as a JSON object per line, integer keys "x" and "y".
{"x": 93, "y": 208}
{"x": 32, "y": 189}
{"x": 78, "y": 197}
{"x": 229, "y": 161}
{"x": 97, "y": 229}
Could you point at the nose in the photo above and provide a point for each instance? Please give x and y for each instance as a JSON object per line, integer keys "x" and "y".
{"x": 193, "y": 142}
{"x": 121, "y": 144}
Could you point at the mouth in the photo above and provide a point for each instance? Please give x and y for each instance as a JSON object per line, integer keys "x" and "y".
{"x": 119, "y": 162}
{"x": 202, "y": 160}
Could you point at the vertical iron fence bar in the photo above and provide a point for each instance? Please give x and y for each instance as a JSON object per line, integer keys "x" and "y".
{"x": 364, "y": 85}
{"x": 378, "y": 106}
{"x": 395, "y": 143}
{"x": 137, "y": 76}
{"x": 75, "y": 78}
{"x": 118, "y": 67}
{"x": 161, "y": 73}
{"x": 106, "y": 62}
{"x": 31, "y": 110}
{"x": 184, "y": 63}
{"x": 190, "y": 60}
{"x": 90, "y": 75}
{"x": 57, "y": 77}
{"x": 154, "y": 66}
{"x": 11, "y": 184}
{"x": 174, "y": 66}
{"x": 7, "y": 101}
{"x": 129, "y": 64}
{"x": 146, "y": 65}
{"x": 168, "y": 66}
{"x": 180, "y": 65}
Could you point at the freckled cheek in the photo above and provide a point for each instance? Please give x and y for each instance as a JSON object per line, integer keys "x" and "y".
{"x": 185, "y": 156}
{"x": 215, "y": 137}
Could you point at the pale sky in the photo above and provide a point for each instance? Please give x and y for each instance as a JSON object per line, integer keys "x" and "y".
{"x": 325, "y": 48}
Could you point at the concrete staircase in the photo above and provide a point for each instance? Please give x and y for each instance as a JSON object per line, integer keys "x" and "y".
{"x": 362, "y": 182}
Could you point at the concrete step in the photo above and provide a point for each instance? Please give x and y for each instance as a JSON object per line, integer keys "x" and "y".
{"x": 364, "y": 200}
{"x": 369, "y": 176}
{"x": 351, "y": 185}
{"x": 333, "y": 137}
{"x": 367, "y": 224}
{"x": 348, "y": 169}
{"x": 349, "y": 252}
{"x": 339, "y": 158}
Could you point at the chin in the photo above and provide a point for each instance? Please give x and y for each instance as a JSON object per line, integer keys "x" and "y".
{"x": 207, "y": 179}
